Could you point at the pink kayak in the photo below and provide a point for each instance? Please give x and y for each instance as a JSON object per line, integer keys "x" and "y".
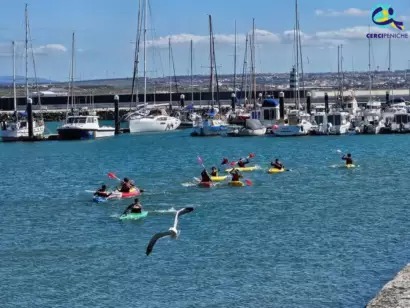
{"x": 122, "y": 195}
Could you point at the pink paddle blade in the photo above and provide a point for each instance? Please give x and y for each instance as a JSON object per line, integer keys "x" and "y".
{"x": 233, "y": 163}
{"x": 199, "y": 160}
{"x": 111, "y": 175}
{"x": 248, "y": 182}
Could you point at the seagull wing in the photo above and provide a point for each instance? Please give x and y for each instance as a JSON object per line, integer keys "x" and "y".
{"x": 155, "y": 238}
{"x": 180, "y": 213}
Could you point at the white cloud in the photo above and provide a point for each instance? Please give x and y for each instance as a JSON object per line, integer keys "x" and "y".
{"x": 347, "y": 12}
{"x": 261, "y": 36}
{"x": 49, "y": 49}
{"x": 326, "y": 39}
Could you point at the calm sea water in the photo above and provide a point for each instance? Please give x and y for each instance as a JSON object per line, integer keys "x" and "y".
{"x": 319, "y": 236}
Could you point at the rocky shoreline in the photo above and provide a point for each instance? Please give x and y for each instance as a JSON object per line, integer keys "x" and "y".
{"x": 396, "y": 293}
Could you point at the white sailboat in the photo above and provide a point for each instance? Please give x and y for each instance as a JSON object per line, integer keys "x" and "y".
{"x": 80, "y": 127}
{"x": 298, "y": 121}
{"x": 18, "y": 128}
{"x": 157, "y": 119}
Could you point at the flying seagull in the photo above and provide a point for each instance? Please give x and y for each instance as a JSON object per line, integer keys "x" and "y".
{"x": 172, "y": 232}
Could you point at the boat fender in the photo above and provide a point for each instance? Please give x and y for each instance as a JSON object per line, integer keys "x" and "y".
{"x": 18, "y": 125}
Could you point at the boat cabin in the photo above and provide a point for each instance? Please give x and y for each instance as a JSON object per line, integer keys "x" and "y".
{"x": 268, "y": 113}
{"x": 82, "y": 120}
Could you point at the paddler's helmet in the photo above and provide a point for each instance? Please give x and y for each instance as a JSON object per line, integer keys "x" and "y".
{"x": 276, "y": 160}
{"x": 349, "y": 155}
{"x": 136, "y": 200}
{"x": 103, "y": 186}
{"x": 126, "y": 180}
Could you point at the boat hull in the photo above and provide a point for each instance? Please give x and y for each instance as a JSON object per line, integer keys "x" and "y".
{"x": 84, "y": 134}
{"x": 291, "y": 130}
{"x": 21, "y": 133}
{"x": 247, "y": 132}
{"x": 144, "y": 125}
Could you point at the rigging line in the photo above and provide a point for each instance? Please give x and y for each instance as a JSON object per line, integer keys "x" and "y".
{"x": 173, "y": 66}
{"x": 135, "y": 81}
{"x": 34, "y": 66}
{"x": 155, "y": 35}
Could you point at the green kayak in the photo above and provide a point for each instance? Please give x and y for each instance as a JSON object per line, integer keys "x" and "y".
{"x": 134, "y": 216}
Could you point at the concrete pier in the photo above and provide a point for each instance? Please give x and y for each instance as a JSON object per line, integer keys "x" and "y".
{"x": 396, "y": 293}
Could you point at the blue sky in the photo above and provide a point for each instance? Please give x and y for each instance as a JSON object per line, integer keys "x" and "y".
{"x": 105, "y": 30}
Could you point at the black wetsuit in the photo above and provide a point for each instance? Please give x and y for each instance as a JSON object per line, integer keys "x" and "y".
{"x": 242, "y": 163}
{"x": 101, "y": 193}
{"x": 349, "y": 160}
{"x": 277, "y": 165}
{"x": 205, "y": 176}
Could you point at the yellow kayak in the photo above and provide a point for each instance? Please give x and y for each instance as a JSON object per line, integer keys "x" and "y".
{"x": 242, "y": 169}
{"x": 275, "y": 170}
{"x": 236, "y": 183}
{"x": 218, "y": 178}
{"x": 350, "y": 166}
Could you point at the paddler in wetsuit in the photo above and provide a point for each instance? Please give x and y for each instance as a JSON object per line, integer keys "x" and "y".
{"x": 205, "y": 176}
{"x": 102, "y": 192}
{"x": 277, "y": 164}
{"x": 126, "y": 186}
{"x": 348, "y": 159}
{"x": 135, "y": 208}
{"x": 243, "y": 162}
{"x": 236, "y": 175}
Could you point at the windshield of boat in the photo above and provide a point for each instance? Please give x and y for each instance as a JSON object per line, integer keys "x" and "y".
{"x": 76, "y": 120}
{"x": 319, "y": 119}
{"x": 334, "y": 119}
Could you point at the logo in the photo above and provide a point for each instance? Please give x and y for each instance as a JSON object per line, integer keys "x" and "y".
{"x": 384, "y": 16}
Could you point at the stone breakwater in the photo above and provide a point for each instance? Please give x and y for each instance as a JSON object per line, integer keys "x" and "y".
{"x": 396, "y": 293}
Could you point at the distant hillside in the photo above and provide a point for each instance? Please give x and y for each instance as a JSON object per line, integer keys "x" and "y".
{"x": 20, "y": 80}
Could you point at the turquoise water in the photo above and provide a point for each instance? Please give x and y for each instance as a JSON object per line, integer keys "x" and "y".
{"x": 319, "y": 236}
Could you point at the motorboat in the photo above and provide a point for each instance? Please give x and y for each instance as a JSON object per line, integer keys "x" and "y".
{"x": 156, "y": 121}
{"x": 251, "y": 127}
{"x": 338, "y": 122}
{"x": 371, "y": 120}
{"x": 298, "y": 124}
{"x": 210, "y": 125}
{"x": 319, "y": 121}
{"x": 81, "y": 127}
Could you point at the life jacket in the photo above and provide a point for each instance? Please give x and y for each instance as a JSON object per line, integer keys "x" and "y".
{"x": 236, "y": 177}
{"x": 214, "y": 173}
{"x": 241, "y": 164}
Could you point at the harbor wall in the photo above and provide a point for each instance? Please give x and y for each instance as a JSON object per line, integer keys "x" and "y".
{"x": 6, "y": 103}
{"x": 396, "y": 293}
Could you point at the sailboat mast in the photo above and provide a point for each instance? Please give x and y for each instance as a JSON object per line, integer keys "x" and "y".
{"x": 297, "y": 34}
{"x": 72, "y": 70}
{"x": 370, "y": 72}
{"x": 14, "y": 79}
{"x": 390, "y": 70}
{"x": 145, "y": 51}
{"x": 234, "y": 65}
{"x": 170, "y": 71}
{"x": 245, "y": 69}
{"x": 211, "y": 58}
{"x": 192, "y": 73}
{"x": 26, "y": 52}
{"x": 253, "y": 63}
{"x": 341, "y": 72}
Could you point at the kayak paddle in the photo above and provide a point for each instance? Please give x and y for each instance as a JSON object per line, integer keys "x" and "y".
{"x": 251, "y": 155}
{"x": 203, "y": 166}
{"x": 112, "y": 176}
